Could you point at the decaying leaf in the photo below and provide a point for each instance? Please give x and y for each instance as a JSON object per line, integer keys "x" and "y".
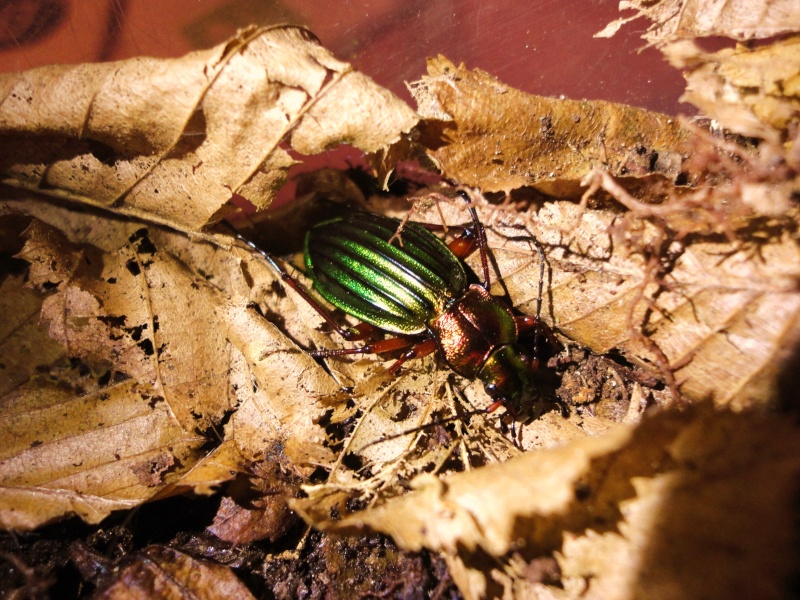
{"x": 738, "y": 19}
{"x": 754, "y": 92}
{"x": 161, "y": 572}
{"x": 24, "y": 346}
{"x": 724, "y": 317}
{"x": 615, "y": 509}
{"x": 188, "y": 383}
{"x": 490, "y": 136}
{"x": 256, "y": 508}
{"x": 171, "y": 141}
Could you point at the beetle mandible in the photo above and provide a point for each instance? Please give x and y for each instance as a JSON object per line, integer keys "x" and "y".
{"x": 419, "y": 292}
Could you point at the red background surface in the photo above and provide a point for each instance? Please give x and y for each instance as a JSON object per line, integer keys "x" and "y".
{"x": 543, "y": 47}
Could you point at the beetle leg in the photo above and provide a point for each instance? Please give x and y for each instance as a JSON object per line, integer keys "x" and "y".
{"x": 526, "y": 323}
{"x": 495, "y": 405}
{"x": 464, "y": 245}
{"x": 424, "y": 348}
{"x": 387, "y": 345}
{"x": 472, "y": 238}
{"x": 510, "y": 411}
{"x": 418, "y": 350}
{"x": 364, "y": 331}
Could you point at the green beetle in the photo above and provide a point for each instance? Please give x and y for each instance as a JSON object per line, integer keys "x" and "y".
{"x": 420, "y": 292}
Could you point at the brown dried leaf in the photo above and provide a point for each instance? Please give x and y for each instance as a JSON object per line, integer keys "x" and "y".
{"x": 189, "y": 364}
{"x": 24, "y": 346}
{"x": 171, "y": 141}
{"x": 161, "y": 572}
{"x": 737, "y": 19}
{"x": 751, "y": 91}
{"x": 68, "y": 453}
{"x": 422, "y": 518}
{"x": 493, "y": 137}
{"x": 724, "y": 509}
{"x": 121, "y": 311}
{"x": 726, "y": 316}
{"x": 617, "y": 509}
{"x": 256, "y": 508}
{"x": 269, "y": 518}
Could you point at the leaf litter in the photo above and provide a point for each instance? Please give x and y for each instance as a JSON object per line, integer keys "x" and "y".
{"x": 663, "y": 294}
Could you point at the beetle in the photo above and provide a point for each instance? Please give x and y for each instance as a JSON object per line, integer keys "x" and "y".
{"x": 418, "y": 290}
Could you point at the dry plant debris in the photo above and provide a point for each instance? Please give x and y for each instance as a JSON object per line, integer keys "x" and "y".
{"x": 145, "y": 354}
{"x": 170, "y": 141}
{"x": 469, "y": 116}
{"x": 737, "y": 19}
{"x": 160, "y": 572}
{"x": 622, "y": 512}
{"x": 172, "y": 359}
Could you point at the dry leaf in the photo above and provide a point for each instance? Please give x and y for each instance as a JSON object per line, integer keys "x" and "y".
{"x": 256, "y": 508}
{"x": 724, "y": 510}
{"x": 188, "y": 383}
{"x": 618, "y": 509}
{"x": 738, "y": 19}
{"x": 724, "y": 315}
{"x": 161, "y": 572}
{"x": 490, "y": 136}
{"x": 751, "y": 91}
{"x": 24, "y": 346}
{"x": 171, "y": 141}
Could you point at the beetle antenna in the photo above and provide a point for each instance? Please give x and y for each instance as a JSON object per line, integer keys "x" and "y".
{"x": 288, "y": 280}
{"x": 538, "y": 333}
{"x": 264, "y": 254}
{"x": 465, "y": 415}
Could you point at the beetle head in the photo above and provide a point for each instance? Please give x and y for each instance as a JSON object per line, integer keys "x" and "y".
{"x": 506, "y": 377}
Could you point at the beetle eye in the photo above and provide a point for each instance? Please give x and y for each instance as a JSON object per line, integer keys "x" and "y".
{"x": 491, "y": 389}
